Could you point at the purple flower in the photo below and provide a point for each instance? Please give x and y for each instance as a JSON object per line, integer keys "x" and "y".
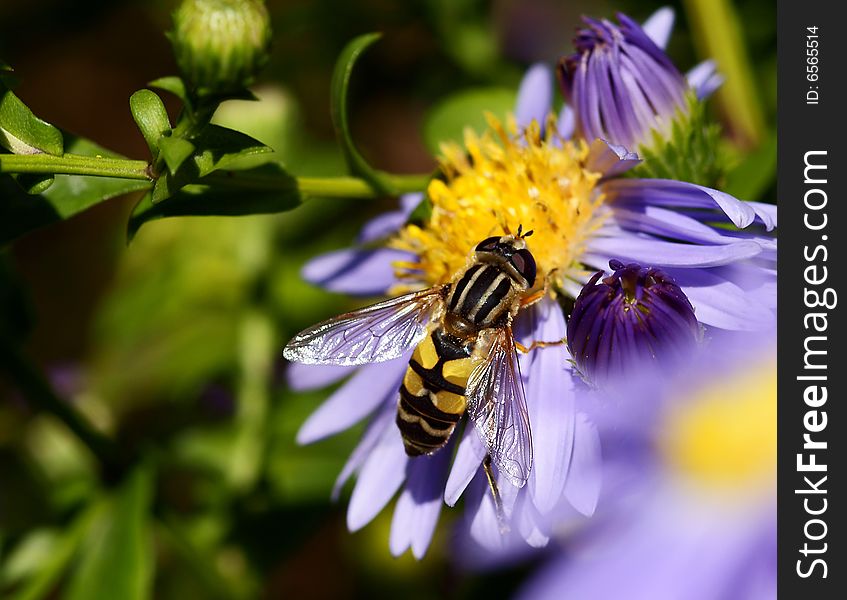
{"x": 621, "y": 83}
{"x": 583, "y": 215}
{"x": 689, "y": 504}
{"x": 566, "y": 471}
{"x": 634, "y": 315}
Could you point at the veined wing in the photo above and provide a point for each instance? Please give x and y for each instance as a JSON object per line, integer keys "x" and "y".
{"x": 376, "y": 333}
{"x": 497, "y": 406}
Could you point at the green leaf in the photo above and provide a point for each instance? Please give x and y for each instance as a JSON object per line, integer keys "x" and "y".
{"x": 61, "y": 552}
{"x": 25, "y": 558}
{"x": 150, "y": 115}
{"x": 262, "y": 190}
{"x": 34, "y": 183}
{"x": 21, "y": 132}
{"x": 215, "y": 148}
{"x": 116, "y": 557}
{"x": 168, "y": 184}
{"x": 339, "y": 91}
{"x": 448, "y": 120}
{"x": 175, "y": 86}
{"x": 69, "y": 195}
{"x": 222, "y": 148}
{"x": 175, "y": 151}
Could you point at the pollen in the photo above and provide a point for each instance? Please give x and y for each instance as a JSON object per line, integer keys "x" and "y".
{"x": 496, "y": 182}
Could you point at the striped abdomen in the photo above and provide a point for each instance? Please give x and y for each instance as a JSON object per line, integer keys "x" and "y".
{"x": 432, "y": 396}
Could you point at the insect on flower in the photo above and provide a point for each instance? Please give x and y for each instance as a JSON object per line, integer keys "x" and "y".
{"x": 464, "y": 360}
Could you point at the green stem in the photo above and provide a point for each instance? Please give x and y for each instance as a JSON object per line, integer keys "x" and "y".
{"x": 38, "y": 391}
{"x": 324, "y": 187}
{"x": 353, "y": 187}
{"x": 718, "y": 34}
{"x": 74, "y": 164}
{"x": 123, "y": 168}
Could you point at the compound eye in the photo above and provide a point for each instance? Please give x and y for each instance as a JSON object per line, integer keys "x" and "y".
{"x": 488, "y": 244}
{"x": 524, "y": 262}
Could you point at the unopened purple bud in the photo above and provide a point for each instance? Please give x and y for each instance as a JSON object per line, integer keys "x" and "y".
{"x": 624, "y": 320}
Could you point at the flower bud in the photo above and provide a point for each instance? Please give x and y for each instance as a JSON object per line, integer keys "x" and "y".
{"x": 633, "y": 316}
{"x": 221, "y": 44}
{"x": 620, "y": 83}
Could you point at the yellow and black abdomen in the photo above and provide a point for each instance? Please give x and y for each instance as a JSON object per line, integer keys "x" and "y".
{"x": 432, "y": 396}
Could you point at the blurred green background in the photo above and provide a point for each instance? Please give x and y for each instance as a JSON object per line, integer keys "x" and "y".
{"x": 172, "y": 345}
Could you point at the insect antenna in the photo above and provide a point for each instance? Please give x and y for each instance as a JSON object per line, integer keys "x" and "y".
{"x": 523, "y": 235}
{"x": 495, "y": 494}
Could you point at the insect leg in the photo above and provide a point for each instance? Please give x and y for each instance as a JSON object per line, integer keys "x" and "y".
{"x": 534, "y": 297}
{"x": 495, "y": 494}
{"x": 536, "y": 344}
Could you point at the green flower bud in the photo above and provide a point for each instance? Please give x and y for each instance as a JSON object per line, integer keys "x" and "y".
{"x": 221, "y": 44}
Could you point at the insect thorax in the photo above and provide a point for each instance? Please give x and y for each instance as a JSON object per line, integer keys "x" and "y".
{"x": 482, "y": 297}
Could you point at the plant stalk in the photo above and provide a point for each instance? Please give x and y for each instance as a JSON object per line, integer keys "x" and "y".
{"x": 123, "y": 168}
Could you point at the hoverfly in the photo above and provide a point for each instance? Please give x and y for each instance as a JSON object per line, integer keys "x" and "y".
{"x": 465, "y": 357}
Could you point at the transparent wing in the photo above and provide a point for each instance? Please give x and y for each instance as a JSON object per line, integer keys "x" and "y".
{"x": 497, "y": 406}
{"x": 376, "y": 333}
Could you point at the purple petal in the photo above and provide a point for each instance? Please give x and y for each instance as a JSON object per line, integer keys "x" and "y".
{"x": 465, "y": 466}
{"x": 605, "y": 79}
{"x": 766, "y": 212}
{"x": 551, "y": 409}
{"x": 654, "y": 252}
{"x": 382, "y": 474}
{"x": 530, "y": 524}
{"x": 659, "y": 25}
{"x": 409, "y": 202}
{"x": 704, "y": 79}
{"x": 610, "y": 159}
{"x": 667, "y": 192}
{"x": 419, "y": 505}
{"x": 582, "y": 488}
{"x": 587, "y": 102}
{"x": 757, "y": 282}
{"x": 722, "y": 303}
{"x": 669, "y": 224}
{"x": 388, "y": 223}
{"x": 374, "y": 432}
{"x": 302, "y": 377}
{"x": 355, "y": 271}
{"x": 535, "y": 96}
{"x": 485, "y": 526}
{"x": 566, "y": 123}
{"x": 370, "y": 386}
{"x": 381, "y": 226}
{"x": 674, "y": 548}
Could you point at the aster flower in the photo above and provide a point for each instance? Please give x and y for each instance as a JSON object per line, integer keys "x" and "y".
{"x": 621, "y": 83}
{"x": 582, "y": 217}
{"x": 711, "y": 247}
{"x": 698, "y": 520}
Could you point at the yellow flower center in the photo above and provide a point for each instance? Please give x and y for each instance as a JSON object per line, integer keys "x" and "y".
{"x": 725, "y": 437}
{"x": 498, "y": 181}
